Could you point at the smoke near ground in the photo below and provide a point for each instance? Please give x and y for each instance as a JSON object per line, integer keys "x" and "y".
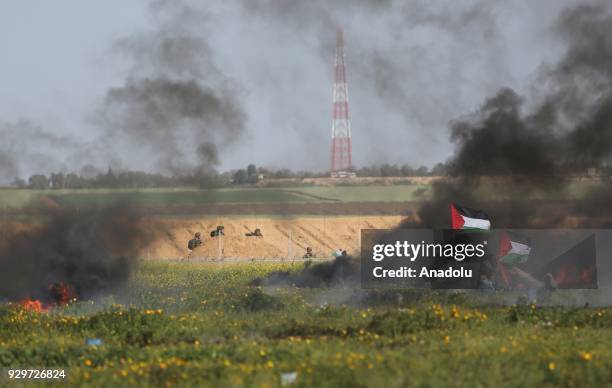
{"x": 340, "y": 270}
{"x": 92, "y": 250}
{"x": 337, "y": 281}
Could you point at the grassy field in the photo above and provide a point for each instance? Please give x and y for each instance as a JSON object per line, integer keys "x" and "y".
{"x": 14, "y": 198}
{"x": 186, "y": 196}
{"x": 201, "y": 325}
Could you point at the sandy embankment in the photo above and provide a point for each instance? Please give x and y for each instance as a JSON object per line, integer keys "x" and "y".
{"x": 282, "y": 237}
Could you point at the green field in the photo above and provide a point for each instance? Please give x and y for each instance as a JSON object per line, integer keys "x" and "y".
{"x": 14, "y": 198}
{"x": 201, "y": 325}
{"x": 186, "y": 196}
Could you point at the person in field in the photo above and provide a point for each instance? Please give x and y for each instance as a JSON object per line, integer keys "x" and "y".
{"x": 309, "y": 253}
{"x": 218, "y": 232}
{"x": 195, "y": 242}
{"x": 255, "y": 233}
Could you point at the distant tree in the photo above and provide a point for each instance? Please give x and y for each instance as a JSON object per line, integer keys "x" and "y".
{"x": 251, "y": 170}
{"x": 252, "y": 175}
{"x": 439, "y": 169}
{"x": 368, "y": 171}
{"x": 19, "y": 183}
{"x": 38, "y": 182}
{"x": 240, "y": 177}
{"x": 73, "y": 181}
{"x": 204, "y": 179}
{"x": 106, "y": 180}
{"x": 421, "y": 171}
{"x": 407, "y": 170}
{"x": 110, "y": 177}
{"x": 284, "y": 173}
{"x": 58, "y": 181}
{"x": 389, "y": 170}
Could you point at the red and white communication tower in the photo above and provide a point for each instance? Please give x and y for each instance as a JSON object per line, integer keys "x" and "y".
{"x": 341, "y": 161}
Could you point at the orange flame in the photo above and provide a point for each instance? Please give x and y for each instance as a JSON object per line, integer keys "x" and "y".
{"x": 32, "y": 305}
{"x": 60, "y": 293}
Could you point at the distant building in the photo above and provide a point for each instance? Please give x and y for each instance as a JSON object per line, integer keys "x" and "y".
{"x": 343, "y": 174}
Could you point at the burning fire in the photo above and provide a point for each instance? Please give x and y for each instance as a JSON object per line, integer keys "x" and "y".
{"x": 59, "y": 294}
{"x": 32, "y": 305}
{"x": 62, "y": 293}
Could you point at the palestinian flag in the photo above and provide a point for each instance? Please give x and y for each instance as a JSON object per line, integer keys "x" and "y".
{"x": 513, "y": 249}
{"x": 576, "y": 268}
{"x": 466, "y": 218}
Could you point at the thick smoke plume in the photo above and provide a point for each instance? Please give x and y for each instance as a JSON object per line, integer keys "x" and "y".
{"x": 536, "y": 151}
{"x": 91, "y": 250}
{"x": 175, "y": 113}
{"x": 173, "y": 118}
{"x": 175, "y": 103}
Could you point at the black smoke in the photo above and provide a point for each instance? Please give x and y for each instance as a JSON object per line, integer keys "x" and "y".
{"x": 341, "y": 270}
{"x": 506, "y": 149}
{"x": 208, "y": 154}
{"x": 92, "y": 250}
{"x": 519, "y": 162}
{"x": 176, "y": 103}
{"x": 175, "y": 113}
{"x": 173, "y": 118}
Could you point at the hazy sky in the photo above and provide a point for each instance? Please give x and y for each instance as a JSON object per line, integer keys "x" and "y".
{"x": 76, "y": 76}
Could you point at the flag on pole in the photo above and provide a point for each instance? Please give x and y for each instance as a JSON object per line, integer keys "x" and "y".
{"x": 467, "y": 218}
{"x": 513, "y": 249}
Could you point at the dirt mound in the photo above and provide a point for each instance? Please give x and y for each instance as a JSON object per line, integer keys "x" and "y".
{"x": 282, "y": 237}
